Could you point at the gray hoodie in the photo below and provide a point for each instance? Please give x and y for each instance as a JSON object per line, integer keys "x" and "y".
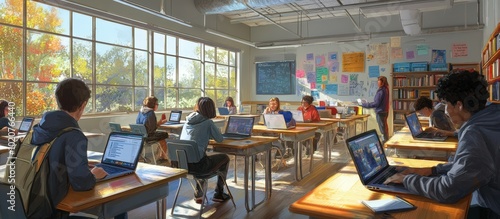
{"x": 475, "y": 168}
{"x": 200, "y": 129}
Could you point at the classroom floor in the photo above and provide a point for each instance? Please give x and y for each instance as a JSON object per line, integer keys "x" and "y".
{"x": 285, "y": 191}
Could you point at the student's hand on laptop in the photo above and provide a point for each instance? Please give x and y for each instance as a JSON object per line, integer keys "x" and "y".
{"x": 419, "y": 171}
{"x": 396, "y": 178}
{"x": 99, "y": 172}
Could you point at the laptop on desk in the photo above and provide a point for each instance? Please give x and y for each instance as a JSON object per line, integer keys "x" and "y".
{"x": 26, "y": 125}
{"x": 417, "y": 132}
{"x": 223, "y": 111}
{"x": 175, "y": 118}
{"x": 238, "y": 127}
{"x": 276, "y": 121}
{"x": 371, "y": 163}
{"x": 121, "y": 154}
{"x": 297, "y": 115}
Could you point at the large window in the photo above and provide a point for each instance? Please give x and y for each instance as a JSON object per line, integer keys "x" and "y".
{"x": 112, "y": 58}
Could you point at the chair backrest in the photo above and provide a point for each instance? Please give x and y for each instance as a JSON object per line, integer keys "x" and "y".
{"x": 139, "y": 129}
{"x": 183, "y": 151}
{"x": 115, "y": 127}
{"x": 245, "y": 108}
{"x": 11, "y": 205}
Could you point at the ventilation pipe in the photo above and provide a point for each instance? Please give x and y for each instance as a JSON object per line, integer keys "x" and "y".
{"x": 410, "y": 19}
{"x": 224, "y": 6}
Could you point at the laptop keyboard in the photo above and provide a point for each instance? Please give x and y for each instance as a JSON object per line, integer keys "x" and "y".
{"x": 111, "y": 169}
{"x": 386, "y": 175}
{"x": 426, "y": 135}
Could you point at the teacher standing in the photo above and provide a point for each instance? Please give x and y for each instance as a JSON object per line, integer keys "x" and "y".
{"x": 381, "y": 105}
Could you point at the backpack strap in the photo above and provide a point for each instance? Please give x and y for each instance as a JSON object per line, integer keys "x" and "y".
{"x": 42, "y": 150}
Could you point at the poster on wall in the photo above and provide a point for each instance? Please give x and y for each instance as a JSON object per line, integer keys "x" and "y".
{"x": 378, "y": 52}
{"x": 315, "y": 94}
{"x": 438, "y": 56}
{"x": 353, "y": 62}
{"x": 343, "y": 89}
{"x": 373, "y": 88}
{"x": 459, "y": 50}
{"x": 331, "y": 89}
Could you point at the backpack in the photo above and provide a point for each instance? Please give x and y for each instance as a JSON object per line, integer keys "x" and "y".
{"x": 27, "y": 169}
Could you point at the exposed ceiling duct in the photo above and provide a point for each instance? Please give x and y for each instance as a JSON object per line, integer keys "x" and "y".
{"x": 410, "y": 19}
{"x": 223, "y": 6}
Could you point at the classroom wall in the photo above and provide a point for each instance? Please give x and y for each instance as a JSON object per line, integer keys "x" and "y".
{"x": 491, "y": 14}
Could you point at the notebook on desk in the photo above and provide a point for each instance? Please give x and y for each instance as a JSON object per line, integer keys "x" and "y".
{"x": 371, "y": 163}
{"x": 238, "y": 127}
{"x": 416, "y": 129}
{"x": 175, "y": 118}
{"x": 121, "y": 154}
{"x": 276, "y": 121}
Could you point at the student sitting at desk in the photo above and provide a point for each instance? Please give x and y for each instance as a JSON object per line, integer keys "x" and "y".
{"x": 4, "y": 121}
{"x": 147, "y": 117}
{"x": 68, "y": 155}
{"x": 475, "y": 167}
{"x": 310, "y": 114}
{"x": 273, "y": 106}
{"x": 200, "y": 128}
{"x": 440, "y": 122}
{"x": 229, "y": 104}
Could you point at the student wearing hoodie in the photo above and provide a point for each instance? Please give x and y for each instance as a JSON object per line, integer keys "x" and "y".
{"x": 476, "y": 165}
{"x": 147, "y": 117}
{"x": 200, "y": 128}
{"x": 68, "y": 155}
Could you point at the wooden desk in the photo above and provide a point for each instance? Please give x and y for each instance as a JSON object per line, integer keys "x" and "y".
{"x": 238, "y": 115}
{"x": 327, "y": 130}
{"x": 248, "y": 148}
{"x": 340, "y": 196}
{"x": 348, "y": 123}
{"x": 404, "y": 140}
{"x": 363, "y": 119}
{"x": 296, "y": 135}
{"x": 122, "y": 194}
{"x": 177, "y": 128}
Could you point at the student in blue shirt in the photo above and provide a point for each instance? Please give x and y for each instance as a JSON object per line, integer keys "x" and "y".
{"x": 147, "y": 117}
{"x": 229, "y": 104}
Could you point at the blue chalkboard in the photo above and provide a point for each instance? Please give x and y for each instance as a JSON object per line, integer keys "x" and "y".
{"x": 275, "y": 77}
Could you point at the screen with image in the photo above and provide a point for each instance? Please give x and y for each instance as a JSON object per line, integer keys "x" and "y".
{"x": 174, "y": 116}
{"x": 413, "y": 123}
{"x": 240, "y": 125}
{"x": 26, "y": 125}
{"x": 122, "y": 150}
{"x": 368, "y": 155}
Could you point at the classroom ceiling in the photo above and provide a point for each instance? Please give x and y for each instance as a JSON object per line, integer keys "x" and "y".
{"x": 265, "y": 12}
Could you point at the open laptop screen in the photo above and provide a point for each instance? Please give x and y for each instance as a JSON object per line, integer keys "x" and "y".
{"x": 175, "y": 116}
{"x": 367, "y": 154}
{"x": 26, "y": 124}
{"x": 240, "y": 125}
{"x": 413, "y": 124}
{"x": 123, "y": 150}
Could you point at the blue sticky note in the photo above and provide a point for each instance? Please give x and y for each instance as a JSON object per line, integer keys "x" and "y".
{"x": 311, "y": 77}
{"x": 373, "y": 71}
{"x": 309, "y": 56}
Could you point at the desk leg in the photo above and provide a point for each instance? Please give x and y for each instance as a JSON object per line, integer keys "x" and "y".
{"x": 161, "y": 208}
{"x": 253, "y": 181}
{"x": 311, "y": 155}
{"x": 325, "y": 136}
{"x": 245, "y": 183}
{"x": 235, "y": 175}
{"x": 297, "y": 160}
{"x": 268, "y": 179}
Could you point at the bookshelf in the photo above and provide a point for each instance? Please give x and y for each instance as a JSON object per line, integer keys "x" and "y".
{"x": 491, "y": 64}
{"x": 407, "y": 87}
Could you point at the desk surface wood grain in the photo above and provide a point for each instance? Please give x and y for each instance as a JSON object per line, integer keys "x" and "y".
{"x": 146, "y": 176}
{"x": 404, "y": 140}
{"x": 340, "y": 196}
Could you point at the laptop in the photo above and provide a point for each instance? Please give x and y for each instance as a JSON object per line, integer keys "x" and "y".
{"x": 25, "y": 126}
{"x": 297, "y": 115}
{"x": 121, "y": 154}
{"x": 223, "y": 111}
{"x": 175, "y": 118}
{"x": 238, "y": 127}
{"x": 416, "y": 129}
{"x": 276, "y": 121}
{"x": 371, "y": 163}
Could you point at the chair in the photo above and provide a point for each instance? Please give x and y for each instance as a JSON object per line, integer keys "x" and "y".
{"x": 141, "y": 129}
{"x": 115, "y": 127}
{"x": 16, "y": 205}
{"x": 184, "y": 152}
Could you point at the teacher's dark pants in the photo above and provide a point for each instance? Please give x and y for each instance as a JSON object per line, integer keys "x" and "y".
{"x": 382, "y": 125}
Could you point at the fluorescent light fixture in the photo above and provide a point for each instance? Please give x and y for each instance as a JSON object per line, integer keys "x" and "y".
{"x": 152, "y": 12}
{"x": 216, "y": 33}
